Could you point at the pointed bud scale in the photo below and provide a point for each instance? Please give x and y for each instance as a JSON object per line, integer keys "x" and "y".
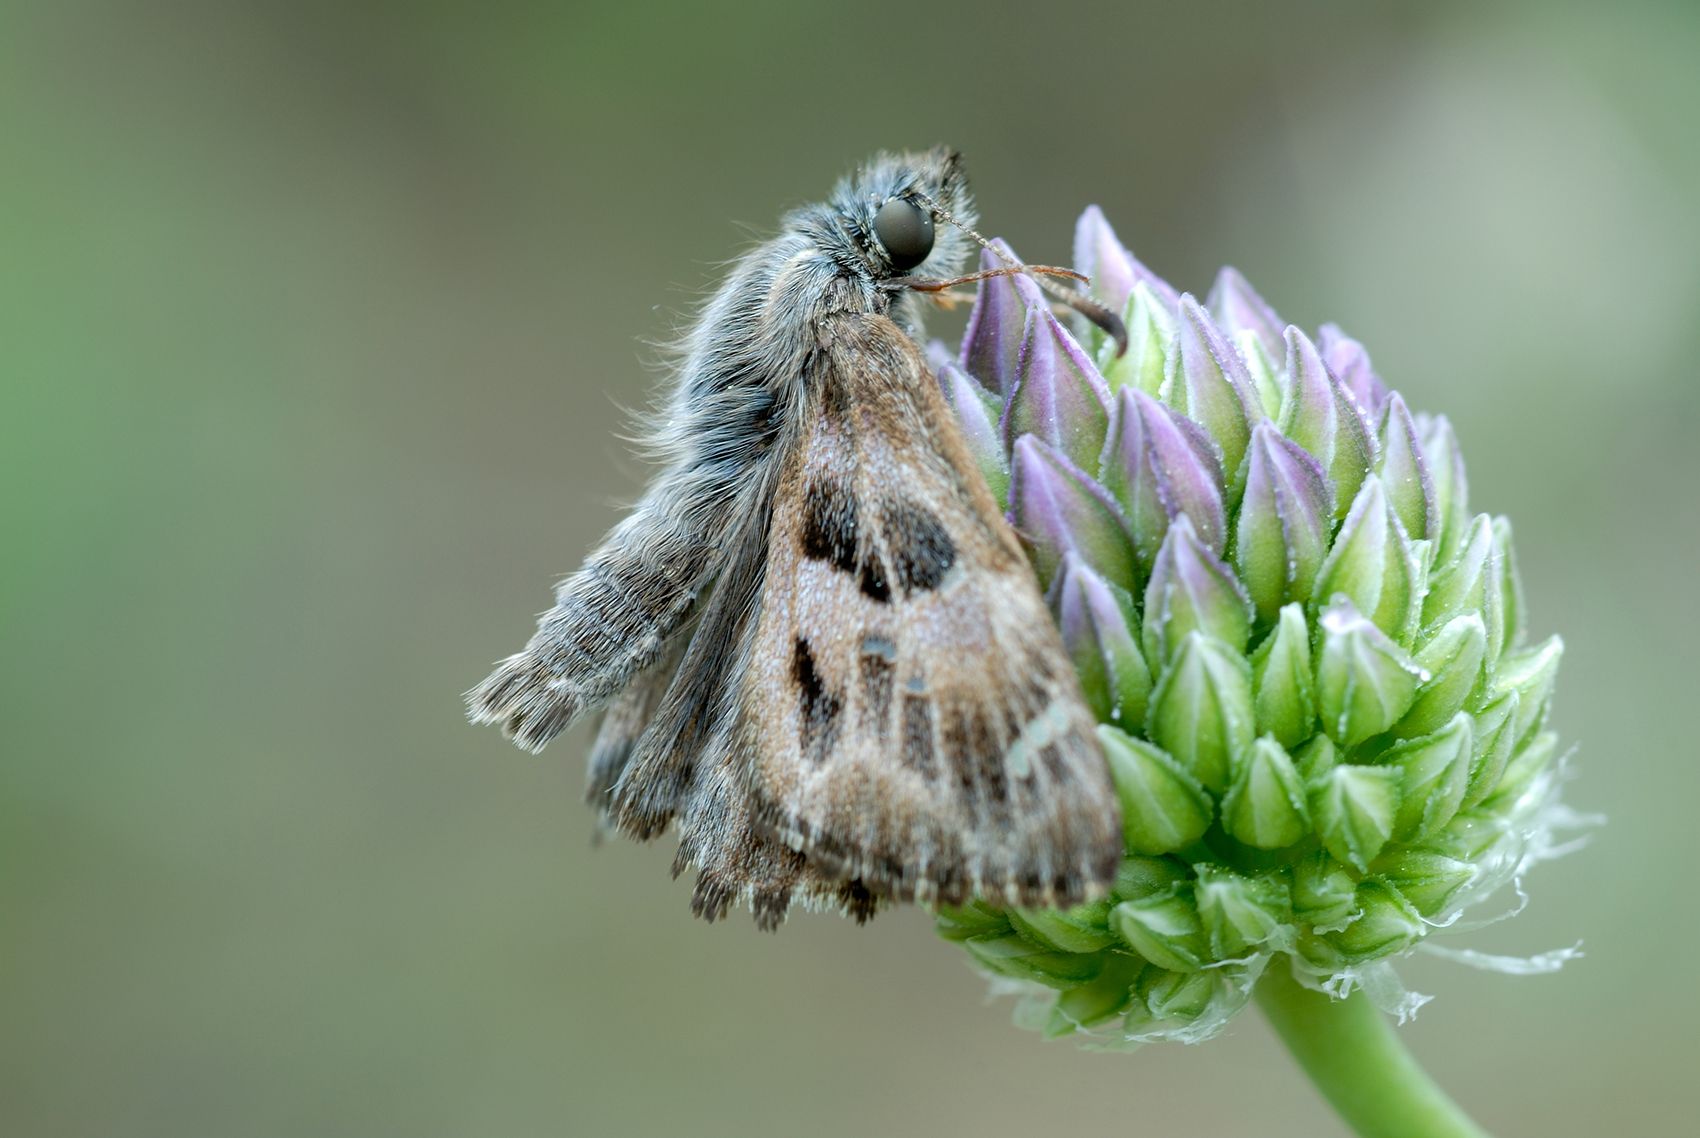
{"x": 1453, "y": 658}
{"x": 1142, "y": 877}
{"x": 1059, "y": 395}
{"x": 1013, "y": 955}
{"x": 1530, "y": 673}
{"x": 973, "y": 919}
{"x": 1510, "y": 582}
{"x": 1056, "y": 508}
{"x": 1404, "y": 470}
{"x": 1150, "y": 335}
{"x": 1191, "y": 591}
{"x": 1374, "y": 564}
{"x": 977, "y": 413}
{"x": 1321, "y": 417}
{"x": 1445, "y": 462}
{"x": 1265, "y": 804}
{"x": 1495, "y": 743}
{"x": 1434, "y": 772}
{"x": 1097, "y": 620}
{"x": 1165, "y": 929}
{"x": 1098, "y": 1000}
{"x": 1387, "y": 923}
{"x": 1264, "y": 369}
{"x": 1209, "y": 384}
{"x": 1201, "y": 711}
{"x": 1164, "y": 808}
{"x": 1283, "y": 691}
{"x": 1114, "y": 271}
{"x": 1286, "y": 517}
{"x": 1080, "y": 929}
{"x": 1353, "y": 810}
{"x": 1324, "y": 892}
{"x": 1177, "y": 995}
{"x": 1237, "y": 308}
{"x": 1428, "y": 878}
{"x": 1159, "y": 465}
{"x": 1241, "y": 913}
{"x": 1364, "y": 682}
{"x": 1316, "y": 758}
{"x": 1522, "y": 771}
{"x": 1472, "y": 582}
{"x": 1347, "y": 359}
{"x": 991, "y": 351}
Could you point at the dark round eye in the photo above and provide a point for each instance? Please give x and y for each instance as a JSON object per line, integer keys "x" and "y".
{"x": 906, "y": 231}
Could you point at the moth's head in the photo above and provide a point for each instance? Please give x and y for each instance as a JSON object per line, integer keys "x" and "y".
{"x": 892, "y": 216}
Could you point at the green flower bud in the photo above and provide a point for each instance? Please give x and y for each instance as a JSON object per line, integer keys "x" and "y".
{"x": 1495, "y": 743}
{"x": 1150, "y": 331}
{"x": 1165, "y": 929}
{"x": 1201, "y": 712}
{"x": 1325, "y": 893}
{"x": 1164, "y": 807}
{"x": 1083, "y": 928}
{"x": 976, "y": 918}
{"x": 1281, "y": 537}
{"x": 1453, "y": 659}
{"x": 1096, "y": 619}
{"x": 1098, "y": 1000}
{"x": 1013, "y": 955}
{"x": 1404, "y": 471}
{"x": 1265, "y": 805}
{"x": 1434, "y": 772}
{"x": 1319, "y": 416}
{"x": 1208, "y": 383}
{"x": 1364, "y": 682}
{"x": 1510, "y": 582}
{"x": 1445, "y": 462}
{"x": 1471, "y": 582}
{"x": 1531, "y": 674}
{"x": 1353, "y": 810}
{"x": 1375, "y": 565}
{"x": 1521, "y": 772}
{"x": 1283, "y": 690}
{"x": 1387, "y": 923}
{"x": 1175, "y": 995}
{"x": 1241, "y": 913}
{"x": 1428, "y": 878}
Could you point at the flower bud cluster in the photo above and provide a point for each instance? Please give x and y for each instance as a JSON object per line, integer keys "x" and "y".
{"x": 1306, "y": 654}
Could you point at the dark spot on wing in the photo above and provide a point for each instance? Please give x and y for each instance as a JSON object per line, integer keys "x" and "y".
{"x": 922, "y": 552}
{"x": 918, "y": 734}
{"x": 818, "y": 709}
{"x": 878, "y": 671}
{"x": 873, "y": 581}
{"x": 829, "y": 525}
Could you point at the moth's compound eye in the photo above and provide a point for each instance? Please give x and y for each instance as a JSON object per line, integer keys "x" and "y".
{"x": 906, "y": 231}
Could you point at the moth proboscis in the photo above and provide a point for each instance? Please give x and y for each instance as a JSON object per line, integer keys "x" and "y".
{"x": 820, "y": 651}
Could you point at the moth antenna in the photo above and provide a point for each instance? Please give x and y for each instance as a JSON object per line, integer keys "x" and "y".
{"x": 1095, "y": 312}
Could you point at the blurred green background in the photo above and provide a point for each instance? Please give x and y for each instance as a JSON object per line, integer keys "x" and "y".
{"x": 316, "y": 320}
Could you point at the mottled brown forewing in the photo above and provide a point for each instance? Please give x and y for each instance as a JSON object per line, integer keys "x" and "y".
{"x": 908, "y": 718}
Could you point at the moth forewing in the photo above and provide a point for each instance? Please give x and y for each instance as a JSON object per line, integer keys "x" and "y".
{"x": 909, "y": 715}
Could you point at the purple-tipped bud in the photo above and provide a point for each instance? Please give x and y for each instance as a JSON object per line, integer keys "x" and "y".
{"x": 1160, "y": 465}
{"x": 1059, "y": 395}
{"x": 1114, "y": 271}
{"x": 991, "y": 351}
{"x": 977, "y": 413}
{"x": 1097, "y": 621}
{"x": 1057, "y": 508}
{"x": 1374, "y": 564}
{"x": 1320, "y": 416}
{"x": 1404, "y": 470}
{"x": 1349, "y": 360}
{"x": 1209, "y": 384}
{"x": 1238, "y": 308}
{"x": 1281, "y": 536}
{"x": 1191, "y": 590}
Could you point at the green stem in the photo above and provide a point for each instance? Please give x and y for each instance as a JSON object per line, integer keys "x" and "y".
{"x": 1350, "y": 1052}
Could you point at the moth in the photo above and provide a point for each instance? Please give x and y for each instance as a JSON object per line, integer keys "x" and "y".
{"x": 817, "y": 646}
